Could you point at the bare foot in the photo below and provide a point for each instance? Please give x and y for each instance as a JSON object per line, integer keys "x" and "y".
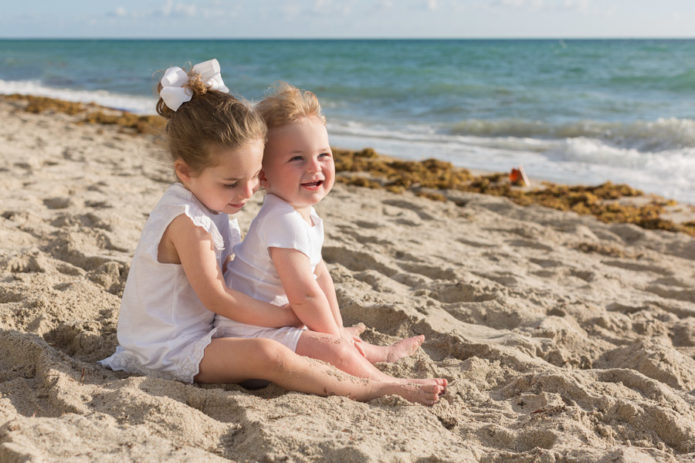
{"x": 404, "y": 348}
{"x": 442, "y": 382}
{"x": 355, "y": 330}
{"x": 426, "y": 394}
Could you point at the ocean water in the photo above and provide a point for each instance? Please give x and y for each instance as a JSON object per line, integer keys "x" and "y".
{"x": 573, "y": 111}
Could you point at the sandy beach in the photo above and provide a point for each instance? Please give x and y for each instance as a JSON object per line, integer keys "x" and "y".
{"x": 564, "y": 339}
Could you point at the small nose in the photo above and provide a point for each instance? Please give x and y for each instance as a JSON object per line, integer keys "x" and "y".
{"x": 314, "y": 165}
{"x": 250, "y": 188}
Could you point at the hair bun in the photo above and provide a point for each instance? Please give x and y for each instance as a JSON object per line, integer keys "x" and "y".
{"x": 195, "y": 83}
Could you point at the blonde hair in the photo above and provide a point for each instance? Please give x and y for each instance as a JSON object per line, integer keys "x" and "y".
{"x": 210, "y": 119}
{"x": 288, "y": 104}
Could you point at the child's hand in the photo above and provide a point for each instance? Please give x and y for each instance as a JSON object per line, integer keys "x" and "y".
{"x": 355, "y": 341}
{"x": 359, "y": 346}
{"x": 292, "y": 319}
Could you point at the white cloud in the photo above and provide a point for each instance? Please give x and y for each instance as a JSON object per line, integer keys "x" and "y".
{"x": 177, "y": 9}
{"x": 174, "y": 9}
{"x": 119, "y": 12}
{"x": 544, "y": 4}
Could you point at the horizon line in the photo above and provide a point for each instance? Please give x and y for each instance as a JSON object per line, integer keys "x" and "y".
{"x": 361, "y": 38}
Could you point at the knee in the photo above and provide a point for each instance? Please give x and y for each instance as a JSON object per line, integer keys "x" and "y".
{"x": 340, "y": 348}
{"x": 272, "y": 353}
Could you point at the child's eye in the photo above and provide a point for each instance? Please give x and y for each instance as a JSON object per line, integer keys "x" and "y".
{"x": 296, "y": 158}
{"x": 326, "y": 154}
{"x": 230, "y": 185}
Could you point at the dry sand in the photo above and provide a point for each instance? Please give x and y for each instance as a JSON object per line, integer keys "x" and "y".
{"x": 564, "y": 339}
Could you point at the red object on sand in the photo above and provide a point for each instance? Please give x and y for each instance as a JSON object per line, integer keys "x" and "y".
{"x": 518, "y": 177}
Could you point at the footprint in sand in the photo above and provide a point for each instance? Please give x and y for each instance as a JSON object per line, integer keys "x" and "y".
{"x": 546, "y": 263}
{"x": 8, "y": 296}
{"x": 655, "y": 360}
{"x": 57, "y": 203}
{"x": 635, "y": 267}
{"x": 683, "y": 333}
{"x": 430, "y": 271}
{"x": 476, "y": 244}
{"x": 409, "y": 206}
{"x": 368, "y": 225}
{"x": 26, "y": 263}
{"x": 503, "y": 278}
{"x": 529, "y": 244}
{"x": 363, "y": 238}
{"x": 460, "y": 292}
{"x": 669, "y": 292}
{"x": 356, "y": 261}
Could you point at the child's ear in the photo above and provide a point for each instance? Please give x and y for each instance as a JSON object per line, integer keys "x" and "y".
{"x": 183, "y": 171}
{"x": 263, "y": 179}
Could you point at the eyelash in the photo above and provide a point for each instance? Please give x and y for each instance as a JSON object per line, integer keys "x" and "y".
{"x": 298, "y": 158}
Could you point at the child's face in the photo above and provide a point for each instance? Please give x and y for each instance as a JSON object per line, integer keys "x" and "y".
{"x": 298, "y": 162}
{"x": 227, "y": 185}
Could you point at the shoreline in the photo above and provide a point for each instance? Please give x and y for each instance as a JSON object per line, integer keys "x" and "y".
{"x": 563, "y": 338}
{"x": 435, "y": 179}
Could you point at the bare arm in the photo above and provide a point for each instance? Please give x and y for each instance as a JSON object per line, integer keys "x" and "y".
{"x": 196, "y": 253}
{"x": 325, "y": 282}
{"x": 306, "y": 296}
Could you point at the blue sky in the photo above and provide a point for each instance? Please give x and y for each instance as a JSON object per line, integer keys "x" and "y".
{"x": 348, "y": 18}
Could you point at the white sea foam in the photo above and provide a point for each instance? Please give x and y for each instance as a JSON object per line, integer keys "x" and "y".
{"x": 659, "y": 135}
{"x": 586, "y": 160}
{"x": 133, "y": 103}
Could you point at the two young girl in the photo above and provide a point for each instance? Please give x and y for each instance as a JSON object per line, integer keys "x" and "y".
{"x": 176, "y": 284}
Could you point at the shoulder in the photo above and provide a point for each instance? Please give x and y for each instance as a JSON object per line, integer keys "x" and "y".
{"x": 278, "y": 216}
{"x": 185, "y": 214}
{"x": 275, "y": 205}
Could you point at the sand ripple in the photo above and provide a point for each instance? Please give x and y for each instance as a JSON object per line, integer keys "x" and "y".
{"x": 563, "y": 339}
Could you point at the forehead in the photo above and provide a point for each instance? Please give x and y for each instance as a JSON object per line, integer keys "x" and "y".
{"x": 240, "y": 159}
{"x": 305, "y": 131}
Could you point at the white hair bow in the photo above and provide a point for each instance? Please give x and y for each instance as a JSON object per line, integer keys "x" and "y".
{"x": 174, "y": 93}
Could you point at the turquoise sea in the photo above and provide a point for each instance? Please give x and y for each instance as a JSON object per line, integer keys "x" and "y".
{"x": 574, "y": 111}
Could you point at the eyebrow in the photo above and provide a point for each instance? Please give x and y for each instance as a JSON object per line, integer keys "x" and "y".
{"x": 321, "y": 150}
{"x": 234, "y": 179}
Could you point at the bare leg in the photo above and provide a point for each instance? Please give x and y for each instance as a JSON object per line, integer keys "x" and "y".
{"x": 338, "y": 352}
{"x": 233, "y": 360}
{"x": 394, "y": 352}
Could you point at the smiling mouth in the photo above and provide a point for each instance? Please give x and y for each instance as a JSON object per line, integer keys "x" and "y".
{"x": 312, "y": 185}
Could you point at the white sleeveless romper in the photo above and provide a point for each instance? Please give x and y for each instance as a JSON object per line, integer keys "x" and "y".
{"x": 163, "y": 327}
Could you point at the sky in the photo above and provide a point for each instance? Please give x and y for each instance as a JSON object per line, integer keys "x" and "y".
{"x": 347, "y": 19}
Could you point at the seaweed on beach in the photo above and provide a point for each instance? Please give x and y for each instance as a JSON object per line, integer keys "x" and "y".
{"x": 431, "y": 178}
{"x": 92, "y": 113}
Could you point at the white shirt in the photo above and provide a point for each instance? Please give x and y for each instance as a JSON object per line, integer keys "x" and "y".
{"x": 277, "y": 225}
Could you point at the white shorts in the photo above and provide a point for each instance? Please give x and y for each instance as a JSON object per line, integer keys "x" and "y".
{"x": 287, "y": 335}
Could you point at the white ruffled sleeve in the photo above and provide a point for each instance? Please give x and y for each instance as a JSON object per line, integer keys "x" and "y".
{"x": 202, "y": 220}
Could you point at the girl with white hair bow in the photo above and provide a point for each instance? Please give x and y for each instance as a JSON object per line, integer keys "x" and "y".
{"x": 175, "y": 284}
